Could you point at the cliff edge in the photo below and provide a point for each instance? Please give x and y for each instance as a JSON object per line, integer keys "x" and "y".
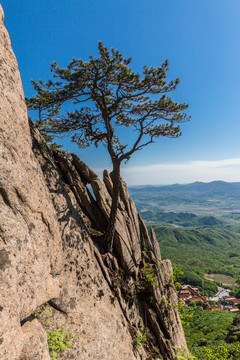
{"x": 54, "y": 268}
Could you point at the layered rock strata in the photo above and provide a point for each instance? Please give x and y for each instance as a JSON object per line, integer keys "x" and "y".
{"x": 53, "y": 258}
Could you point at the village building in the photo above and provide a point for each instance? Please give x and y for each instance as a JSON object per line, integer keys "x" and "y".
{"x": 233, "y": 309}
{"x": 217, "y": 307}
{"x": 188, "y": 295}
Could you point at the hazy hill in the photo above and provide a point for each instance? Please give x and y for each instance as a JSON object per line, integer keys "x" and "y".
{"x": 217, "y": 197}
{"x": 182, "y": 219}
{"x": 219, "y": 188}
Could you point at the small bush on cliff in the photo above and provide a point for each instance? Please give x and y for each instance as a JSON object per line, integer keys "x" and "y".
{"x": 139, "y": 339}
{"x": 58, "y": 341}
{"x": 177, "y": 274}
{"x": 114, "y": 96}
{"x": 147, "y": 278}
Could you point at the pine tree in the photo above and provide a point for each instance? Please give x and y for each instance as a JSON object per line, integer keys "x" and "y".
{"x": 114, "y": 96}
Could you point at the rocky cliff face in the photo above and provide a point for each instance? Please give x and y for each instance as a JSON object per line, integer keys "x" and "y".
{"x": 53, "y": 260}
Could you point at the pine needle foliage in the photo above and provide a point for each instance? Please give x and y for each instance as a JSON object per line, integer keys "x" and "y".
{"x": 107, "y": 95}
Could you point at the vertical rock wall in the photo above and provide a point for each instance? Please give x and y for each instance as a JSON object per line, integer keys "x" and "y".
{"x": 52, "y": 251}
{"x": 30, "y": 242}
{"x": 86, "y": 305}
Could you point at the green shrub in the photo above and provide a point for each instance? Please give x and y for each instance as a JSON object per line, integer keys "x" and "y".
{"x": 147, "y": 278}
{"x": 137, "y": 342}
{"x": 177, "y": 274}
{"x": 58, "y": 341}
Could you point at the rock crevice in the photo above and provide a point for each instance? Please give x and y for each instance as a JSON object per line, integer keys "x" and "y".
{"x": 153, "y": 308}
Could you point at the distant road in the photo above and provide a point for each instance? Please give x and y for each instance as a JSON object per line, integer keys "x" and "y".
{"x": 221, "y": 293}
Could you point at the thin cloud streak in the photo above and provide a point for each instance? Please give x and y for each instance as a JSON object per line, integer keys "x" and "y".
{"x": 182, "y": 173}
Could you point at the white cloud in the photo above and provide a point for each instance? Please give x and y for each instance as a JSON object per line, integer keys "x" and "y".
{"x": 182, "y": 172}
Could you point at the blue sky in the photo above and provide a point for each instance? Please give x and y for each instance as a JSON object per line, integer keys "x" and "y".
{"x": 200, "y": 40}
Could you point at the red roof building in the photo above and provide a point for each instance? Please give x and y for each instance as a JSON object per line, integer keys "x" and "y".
{"x": 216, "y": 307}
{"x": 234, "y": 309}
{"x": 236, "y": 301}
{"x": 228, "y": 298}
{"x": 194, "y": 299}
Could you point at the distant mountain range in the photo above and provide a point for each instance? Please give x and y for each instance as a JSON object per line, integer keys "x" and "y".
{"x": 219, "y": 188}
{"x": 216, "y": 197}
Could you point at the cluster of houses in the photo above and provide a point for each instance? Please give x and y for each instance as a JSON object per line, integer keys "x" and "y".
{"x": 230, "y": 303}
{"x": 188, "y": 294}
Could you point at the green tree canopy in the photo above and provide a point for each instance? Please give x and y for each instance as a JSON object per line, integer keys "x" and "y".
{"x": 108, "y": 94}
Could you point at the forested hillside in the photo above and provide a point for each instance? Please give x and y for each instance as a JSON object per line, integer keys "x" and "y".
{"x": 181, "y": 219}
{"x": 197, "y": 226}
{"x": 212, "y": 335}
{"x": 198, "y": 251}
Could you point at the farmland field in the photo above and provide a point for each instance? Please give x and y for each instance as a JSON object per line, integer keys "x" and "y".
{"x": 221, "y": 278}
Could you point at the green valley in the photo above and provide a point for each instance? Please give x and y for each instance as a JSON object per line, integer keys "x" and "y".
{"x": 198, "y": 228}
{"x": 201, "y": 250}
{"x": 212, "y": 335}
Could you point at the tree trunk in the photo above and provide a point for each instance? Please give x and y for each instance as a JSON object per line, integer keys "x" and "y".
{"x": 115, "y": 199}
